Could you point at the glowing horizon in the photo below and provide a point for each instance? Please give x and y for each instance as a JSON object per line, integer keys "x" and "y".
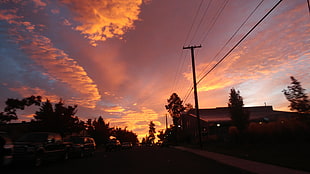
{"x": 123, "y": 59}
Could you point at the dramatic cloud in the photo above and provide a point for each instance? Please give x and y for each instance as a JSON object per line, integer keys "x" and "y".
{"x": 54, "y": 61}
{"x": 271, "y": 53}
{"x": 115, "y": 109}
{"x": 103, "y": 19}
{"x": 26, "y": 92}
{"x": 75, "y": 50}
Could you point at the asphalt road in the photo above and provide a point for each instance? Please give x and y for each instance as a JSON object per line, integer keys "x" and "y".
{"x": 139, "y": 160}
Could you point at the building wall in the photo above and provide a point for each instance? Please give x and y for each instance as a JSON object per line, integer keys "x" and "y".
{"x": 215, "y": 122}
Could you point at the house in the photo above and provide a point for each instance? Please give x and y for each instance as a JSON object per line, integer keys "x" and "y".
{"x": 215, "y": 122}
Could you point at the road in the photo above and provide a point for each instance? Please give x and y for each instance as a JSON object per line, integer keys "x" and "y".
{"x": 144, "y": 160}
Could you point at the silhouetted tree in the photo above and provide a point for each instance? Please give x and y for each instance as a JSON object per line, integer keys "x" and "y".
{"x": 175, "y": 107}
{"x": 123, "y": 135}
{"x": 101, "y": 131}
{"x": 13, "y": 104}
{"x": 152, "y": 132}
{"x": 188, "y": 107}
{"x": 161, "y": 135}
{"x": 239, "y": 116}
{"x": 143, "y": 141}
{"x": 297, "y": 97}
{"x": 59, "y": 119}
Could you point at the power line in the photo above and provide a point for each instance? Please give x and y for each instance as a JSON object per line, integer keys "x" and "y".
{"x": 200, "y": 22}
{"x": 214, "y": 19}
{"x": 181, "y": 63}
{"x": 221, "y": 60}
{"x": 190, "y": 30}
{"x": 187, "y": 94}
{"x": 308, "y": 6}
{"x": 232, "y": 36}
{"x": 240, "y": 41}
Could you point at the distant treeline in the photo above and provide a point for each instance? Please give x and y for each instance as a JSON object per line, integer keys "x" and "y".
{"x": 61, "y": 119}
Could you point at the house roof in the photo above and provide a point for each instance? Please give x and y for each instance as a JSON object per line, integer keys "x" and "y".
{"x": 222, "y": 113}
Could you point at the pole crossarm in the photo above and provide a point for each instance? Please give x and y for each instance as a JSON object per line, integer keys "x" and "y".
{"x": 192, "y": 47}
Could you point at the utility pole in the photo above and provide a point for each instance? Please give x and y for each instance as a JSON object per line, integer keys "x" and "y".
{"x": 195, "y": 90}
{"x": 166, "y": 122}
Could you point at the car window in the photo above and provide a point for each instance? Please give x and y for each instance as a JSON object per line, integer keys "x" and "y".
{"x": 88, "y": 140}
{"x": 57, "y": 138}
{"x": 33, "y": 137}
{"x": 6, "y": 138}
{"x": 51, "y": 138}
{"x": 77, "y": 140}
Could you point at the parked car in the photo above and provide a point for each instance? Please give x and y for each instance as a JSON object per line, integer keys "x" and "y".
{"x": 6, "y": 149}
{"x": 81, "y": 146}
{"x": 113, "y": 145}
{"x": 37, "y": 147}
{"x": 126, "y": 145}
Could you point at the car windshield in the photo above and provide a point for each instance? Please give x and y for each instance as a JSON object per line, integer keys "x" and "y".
{"x": 33, "y": 137}
{"x": 5, "y": 137}
{"x": 77, "y": 140}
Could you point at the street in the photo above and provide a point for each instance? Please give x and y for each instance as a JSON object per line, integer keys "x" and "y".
{"x": 149, "y": 160}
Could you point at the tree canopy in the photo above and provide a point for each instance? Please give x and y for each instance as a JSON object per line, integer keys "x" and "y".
{"x": 124, "y": 135}
{"x": 174, "y": 105}
{"x": 59, "y": 118}
{"x": 62, "y": 119}
{"x": 13, "y": 104}
{"x": 297, "y": 97}
{"x": 239, "y": 116}
{"x": 152, "y": 132}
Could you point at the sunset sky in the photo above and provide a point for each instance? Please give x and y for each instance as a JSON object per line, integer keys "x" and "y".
{"x": 122, "y": 59}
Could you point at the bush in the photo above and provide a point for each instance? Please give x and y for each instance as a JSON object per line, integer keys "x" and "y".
{"x": 282, "y": 131}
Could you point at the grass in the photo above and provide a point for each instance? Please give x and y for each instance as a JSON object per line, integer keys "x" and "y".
{"x": 290, "y": 155}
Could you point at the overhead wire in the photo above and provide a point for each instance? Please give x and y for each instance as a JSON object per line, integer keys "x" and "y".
{"x": 181, "y": 63}
{"x": 201, "y": 19}
{"x": 192, "y": 25}
{"x": 239, "y": 28}
{"x": 246, "y": 35}
{"x": 308, "y": 2}
{"x": 237, "y": 44}
{"x": 214, "y": 20}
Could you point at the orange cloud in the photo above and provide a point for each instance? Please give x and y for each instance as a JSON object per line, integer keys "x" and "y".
{"x": 100, "y": 19}
{"x": 9, "y": 15}
{"x": 260, "y": 63}
{"x": 25, "y": 91}
{"x": 115, "y": 109}
{"x": 39, "y": 3}
{"x": 61, "y": 67}
{"x": 56, "y": 62}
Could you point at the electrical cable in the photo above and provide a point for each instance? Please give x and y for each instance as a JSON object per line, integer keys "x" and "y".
{"x": 181, "y": 63}
{"x": 246, "y": 20}
{"x": 239, "y": 41}
{"x": 225, "y": 56}
{"x": 200, "y": 22}
{"x": 214, "y": 20}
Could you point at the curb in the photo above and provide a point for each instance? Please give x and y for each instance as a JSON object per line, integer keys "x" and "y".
{"x": 251, "y": 166}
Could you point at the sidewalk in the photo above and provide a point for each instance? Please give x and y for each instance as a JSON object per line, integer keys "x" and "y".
{"x": 251, "y": 166}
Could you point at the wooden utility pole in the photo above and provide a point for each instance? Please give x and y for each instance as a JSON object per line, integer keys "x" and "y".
{"x": 166, "y": 122}
{"x": 195, "y": 91}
